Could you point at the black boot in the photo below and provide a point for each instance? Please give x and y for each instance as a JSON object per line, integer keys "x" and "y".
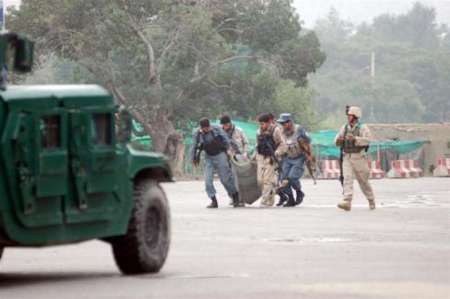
{"x": 290, "y": 202}
{"x": 283, "y": 198}
{"x": 213, "y": 204}
{"x": 299, "y": 197}
{"x": 235, "y": 198}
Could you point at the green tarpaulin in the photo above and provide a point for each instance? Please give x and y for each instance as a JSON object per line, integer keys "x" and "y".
{"x": 323, "y": 141}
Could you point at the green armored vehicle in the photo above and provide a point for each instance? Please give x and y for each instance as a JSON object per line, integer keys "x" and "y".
{"x": 67, "y": 174}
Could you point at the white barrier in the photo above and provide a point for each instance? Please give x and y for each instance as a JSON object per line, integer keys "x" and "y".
{"x": 405, "y": 169}
{"x": 442, "y": 168}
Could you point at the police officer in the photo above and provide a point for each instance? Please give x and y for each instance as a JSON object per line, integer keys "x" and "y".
{"x": 236, "y": 135}
{"x": 354, "y": 139}
{"x": 215, "y": 142}
{"x": 293, "y": 159}
{"x": 268, "y": 138}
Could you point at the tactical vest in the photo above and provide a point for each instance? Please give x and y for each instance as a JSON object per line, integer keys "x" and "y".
{"x": 231, "y": 132}
{"x": 265, "y": 144}
{"x": 350, "y": 147}
{"x": 215, "y": 147}
{"x": 293, "y": 147}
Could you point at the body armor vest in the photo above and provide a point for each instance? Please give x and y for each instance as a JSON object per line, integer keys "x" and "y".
{"x": 215, "y": 146}
{"x": 293, "y": 147}
{"x": 350, "y": 147}
{"x": 265, "y": 144}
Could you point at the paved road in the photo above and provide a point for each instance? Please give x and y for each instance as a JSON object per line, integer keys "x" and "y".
{"x": 401, "y": 250}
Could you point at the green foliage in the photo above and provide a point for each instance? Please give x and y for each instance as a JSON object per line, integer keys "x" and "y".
{"x": 180, "y": 59}
{"x": 297, "y": 100}
{"x": 185, "y": 58}
{"x": 411, "y": 75}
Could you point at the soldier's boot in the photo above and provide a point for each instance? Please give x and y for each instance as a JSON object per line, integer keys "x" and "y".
{"x": 235, "y": 198}
{"x": 345, "y": 205}
{"x": 299, "y": 197}
{"x": 372, "y": 205}
{"x": 283, "y": 198}
{"x": 290, "y": 202}
{"x": 213, "y": 204}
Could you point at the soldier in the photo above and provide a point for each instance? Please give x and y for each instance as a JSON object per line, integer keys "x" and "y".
{"x": 354, "y": 139}
{"x": 215, "y": 142}
{"x": 294, "y": 138}
{"x": 268, "y": 140}
{"x": 236, "y": 135}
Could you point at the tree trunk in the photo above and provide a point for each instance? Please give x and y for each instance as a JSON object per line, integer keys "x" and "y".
{"x": 166, "y": 139}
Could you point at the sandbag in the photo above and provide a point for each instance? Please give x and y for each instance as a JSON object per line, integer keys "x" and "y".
{"x": 246, "y": 181}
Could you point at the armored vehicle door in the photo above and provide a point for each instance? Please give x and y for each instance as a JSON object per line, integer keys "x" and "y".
{"x": 96, "y": 165}
{"x": 34, "y": 148}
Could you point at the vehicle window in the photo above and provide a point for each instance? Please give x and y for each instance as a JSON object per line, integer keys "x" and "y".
{"x": 103, "y": 130}
{"x": 50, "y": 127}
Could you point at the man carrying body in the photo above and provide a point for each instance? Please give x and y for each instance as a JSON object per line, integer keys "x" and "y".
{"x": 354, "y": 139}
{"x": 236, "y": 135}
{"x": 268, "y": 138}
{"x": 294, "y": 157}
{"x": 215, "y": 142}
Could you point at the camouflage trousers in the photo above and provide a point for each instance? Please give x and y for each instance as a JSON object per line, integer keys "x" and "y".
{"x": 267, "y": 179}
{"x": 355, "y": 166}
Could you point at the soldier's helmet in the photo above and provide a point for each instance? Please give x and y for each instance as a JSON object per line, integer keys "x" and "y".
{"x": 354, "y": 110}
{"x": 284, "y": 118}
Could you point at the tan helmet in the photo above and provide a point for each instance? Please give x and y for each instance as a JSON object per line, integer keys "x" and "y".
{"x": 356, "y": 111}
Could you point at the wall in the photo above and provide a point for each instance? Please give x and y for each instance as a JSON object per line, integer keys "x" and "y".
{"x": 437, "y": 135}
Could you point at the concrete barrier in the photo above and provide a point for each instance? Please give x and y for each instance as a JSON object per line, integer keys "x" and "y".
{"x": 442, "y": 168}
{"x": 330, "y": 169}
{"x": 405, "y": 169}
{"x": 376, "y": 172}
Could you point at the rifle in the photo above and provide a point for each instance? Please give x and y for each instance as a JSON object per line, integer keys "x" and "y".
{"x": 341, "y": 159}
{"x": 341, "y": 162}
{"x": 198, "y": 150}
{"x": 341, "y": 155}
{"x": 310, "y": 159}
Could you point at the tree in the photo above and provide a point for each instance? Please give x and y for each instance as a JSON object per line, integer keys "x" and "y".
{"x": 174, "y": 61}
{"x": 412, "y": 66}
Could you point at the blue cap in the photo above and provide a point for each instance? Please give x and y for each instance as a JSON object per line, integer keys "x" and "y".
{"x": 284, "y": 118}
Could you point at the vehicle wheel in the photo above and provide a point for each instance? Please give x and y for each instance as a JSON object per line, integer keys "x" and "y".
{"x": 145, "y": 246}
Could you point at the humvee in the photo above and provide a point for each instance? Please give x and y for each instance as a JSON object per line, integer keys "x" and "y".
{"x": 68, "y": 175}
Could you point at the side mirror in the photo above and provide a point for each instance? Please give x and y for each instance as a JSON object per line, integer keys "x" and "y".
{"x": 23, "y": 59}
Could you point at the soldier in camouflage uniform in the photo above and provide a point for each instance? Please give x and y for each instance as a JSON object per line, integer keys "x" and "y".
{"x": 235, "y": 134}
{"x": 268, "y": 139}
{"x": 354, "y": 138}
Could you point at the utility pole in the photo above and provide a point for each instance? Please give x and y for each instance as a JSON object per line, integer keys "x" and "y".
{"x": 372, "y": 82}
{"x": 372, "y": 65}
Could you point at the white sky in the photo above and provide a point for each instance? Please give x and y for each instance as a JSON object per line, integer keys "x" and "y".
{"x": 355, "y": 11}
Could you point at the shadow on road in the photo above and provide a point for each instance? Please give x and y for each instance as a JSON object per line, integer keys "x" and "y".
{"x": 11, "y": 280}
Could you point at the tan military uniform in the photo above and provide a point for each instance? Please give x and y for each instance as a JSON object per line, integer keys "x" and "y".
{"x": 266, "y": 169}
{"x": 355, "y": 163}
{"x": 238, "y": 136}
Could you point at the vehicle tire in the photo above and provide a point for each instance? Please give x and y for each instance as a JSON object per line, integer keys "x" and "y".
{"x": 1, "y": 251}
{"x": 145, "y": 246}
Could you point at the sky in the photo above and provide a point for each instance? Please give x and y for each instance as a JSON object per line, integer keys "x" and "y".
{"x": 355, "y": 11}
{"x": 358, "y": 11}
